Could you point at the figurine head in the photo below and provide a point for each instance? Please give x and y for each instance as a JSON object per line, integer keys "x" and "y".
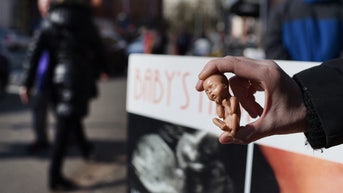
{"x": 216, "y": 87}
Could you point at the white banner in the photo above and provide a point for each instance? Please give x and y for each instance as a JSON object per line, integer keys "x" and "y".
{"x": 163, "y": 87}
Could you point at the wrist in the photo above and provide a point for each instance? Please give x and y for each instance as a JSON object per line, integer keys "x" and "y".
{"x": 313, "y": 131}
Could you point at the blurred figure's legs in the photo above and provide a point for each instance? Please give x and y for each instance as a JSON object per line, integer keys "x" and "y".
{"x": 83, "y": 144}
{"x": 64, "y": 129}
{"x": 67, "y": 127}
{"x": 40, "y": 121}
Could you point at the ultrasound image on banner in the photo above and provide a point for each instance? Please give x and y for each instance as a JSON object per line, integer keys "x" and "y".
{"x": 168, "y": 158}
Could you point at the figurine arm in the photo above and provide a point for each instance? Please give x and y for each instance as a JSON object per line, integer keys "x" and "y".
{"x": 235, "y": 106}
{"x": 220, "y": 111}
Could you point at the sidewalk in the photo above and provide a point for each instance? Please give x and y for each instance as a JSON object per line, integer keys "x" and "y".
{"x": 105, "y": 127}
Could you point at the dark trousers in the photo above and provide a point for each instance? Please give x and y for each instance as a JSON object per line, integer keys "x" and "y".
{"x": 67, "y": 127}
{"x": 40, "y": 116}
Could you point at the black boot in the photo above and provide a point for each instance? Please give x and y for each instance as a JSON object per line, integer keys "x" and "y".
{"x": 62, "y": 184}
{"x": 37, "y": 146}
{"x": 87, "y": 151}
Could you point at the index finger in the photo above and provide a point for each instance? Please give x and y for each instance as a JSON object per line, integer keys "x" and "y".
{"x": 212, "y": 67}
{"x": 241, "y": 66}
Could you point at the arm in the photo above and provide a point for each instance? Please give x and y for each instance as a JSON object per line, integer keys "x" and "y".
{"x": 273, "y": 43}
{"x": 311, "y": 102}
{"x": 220, "y": 110}
{"x": 30, "y": 65}
{"x": 322, "y": 91}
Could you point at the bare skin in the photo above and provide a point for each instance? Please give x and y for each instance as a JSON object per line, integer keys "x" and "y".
{"x": 284, "y": 111}
{"x": 227, "y": 106}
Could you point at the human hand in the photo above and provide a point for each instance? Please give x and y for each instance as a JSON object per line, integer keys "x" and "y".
{"x": 24, "y": 95}
{"x": 104, "y": 76}
{"x": 284, "y": 111}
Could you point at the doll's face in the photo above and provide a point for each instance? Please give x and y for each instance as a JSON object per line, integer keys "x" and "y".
{"x": 216, "y": 88}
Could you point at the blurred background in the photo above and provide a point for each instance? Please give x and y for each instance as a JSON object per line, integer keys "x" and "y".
{"x": 176, "y": 27}
{"x": 179, "y": 27}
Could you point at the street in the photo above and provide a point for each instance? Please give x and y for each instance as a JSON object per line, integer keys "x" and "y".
{"x": 105, "y": 127}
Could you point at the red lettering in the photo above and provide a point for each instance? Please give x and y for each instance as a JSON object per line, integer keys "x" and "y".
{"x": 185, "y": 89}
{"x": 157, "y": 88}
{"x": 151, "y": 87}
{"x": 138, "y": 93}
{"x": 170, "y": 78}
{"x": 147, "y": 85}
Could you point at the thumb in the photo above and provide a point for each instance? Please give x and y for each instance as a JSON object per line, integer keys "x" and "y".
{"x": 244, "y": 135}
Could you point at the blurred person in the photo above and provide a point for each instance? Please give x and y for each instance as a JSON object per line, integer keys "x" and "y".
{"x": 310, "y": 102}
{"x": 40, "y": 105}
{"x": 40, "y": 95}
{"x": 184, "y": 41}
{"x": 305, "y": 30}
{"x": 4, "y": 73}
{"x": 202, "y": 46}
{"x": 77, "y": 60}
{"x": 160, "y": 41}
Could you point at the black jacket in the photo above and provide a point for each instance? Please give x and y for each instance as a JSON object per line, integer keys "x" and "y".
{"x": 323, "y": 94}
{"x": 77, "y": 57}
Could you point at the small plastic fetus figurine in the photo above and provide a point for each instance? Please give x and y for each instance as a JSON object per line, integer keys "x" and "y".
{"x": 227, "y": 106}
